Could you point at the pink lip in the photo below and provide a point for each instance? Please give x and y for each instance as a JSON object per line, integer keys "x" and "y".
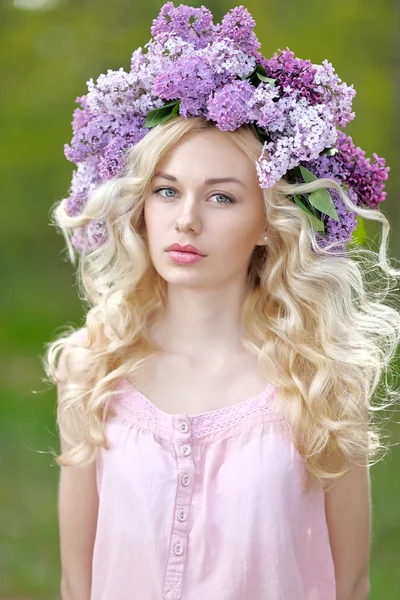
{"x": 185, "y": 248}
{"x": 184, "y": 258}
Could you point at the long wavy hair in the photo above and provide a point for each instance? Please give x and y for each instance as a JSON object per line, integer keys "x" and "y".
{"x": 320, "y": 328}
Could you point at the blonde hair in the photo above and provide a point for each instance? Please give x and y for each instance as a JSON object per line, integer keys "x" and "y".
{"x": 320, "y": 329}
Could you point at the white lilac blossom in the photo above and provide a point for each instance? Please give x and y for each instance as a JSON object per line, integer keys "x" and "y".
{"x": 218, "y": 71}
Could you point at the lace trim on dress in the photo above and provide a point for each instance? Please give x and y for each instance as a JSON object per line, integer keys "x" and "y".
{"x": 202, "y": 424}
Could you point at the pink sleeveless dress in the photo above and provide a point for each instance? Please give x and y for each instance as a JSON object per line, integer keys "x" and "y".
{"x": 206, "y": 507}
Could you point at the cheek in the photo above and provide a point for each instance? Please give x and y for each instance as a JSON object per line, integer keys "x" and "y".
{"x": 240, "y": 236}
{"x": 147, "y": 214}
{"x": 153, "y": 221}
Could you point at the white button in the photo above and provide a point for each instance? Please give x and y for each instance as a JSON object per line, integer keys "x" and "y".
{"x": 186, "y": 479}
{"x": 182, "y": 514}
{"x": 184, "y": 427}
{"x": 186, "y": 449}
{"x": 178, "y": 549}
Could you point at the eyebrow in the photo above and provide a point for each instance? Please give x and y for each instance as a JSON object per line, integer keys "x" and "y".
{"x": 206, "y": 182}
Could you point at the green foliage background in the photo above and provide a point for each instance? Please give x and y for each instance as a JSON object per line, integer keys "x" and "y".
{"x": 47, "y": 54}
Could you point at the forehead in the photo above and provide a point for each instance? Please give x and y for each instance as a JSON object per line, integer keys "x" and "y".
{"x": 209, "y": 155}
{"x": 209, "y": 181}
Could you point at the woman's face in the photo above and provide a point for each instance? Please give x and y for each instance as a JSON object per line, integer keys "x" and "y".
{"x": 223, "y": 220}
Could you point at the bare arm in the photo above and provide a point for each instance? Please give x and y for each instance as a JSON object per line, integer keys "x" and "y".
{"x": 77, "y": 513}
{"x": 348, "y": 512}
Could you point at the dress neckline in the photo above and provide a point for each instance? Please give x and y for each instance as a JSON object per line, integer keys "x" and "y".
{"x": 266, "y": 393}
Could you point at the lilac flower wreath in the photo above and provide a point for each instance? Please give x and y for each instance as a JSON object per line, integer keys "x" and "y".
{"x": 193, "y": 67}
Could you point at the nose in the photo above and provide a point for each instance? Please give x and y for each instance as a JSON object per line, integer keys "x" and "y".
{"x": 188, "y": 216}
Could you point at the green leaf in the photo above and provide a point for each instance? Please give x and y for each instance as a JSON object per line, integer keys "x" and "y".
{"x": 153, "y": 118}
{"x": 169, "y": 115}
{"x": 315, "y": 222}
{"x": 321, "y": 198}
{"x": 330, "y": 151}
{"x": 162, "y": 114}
{"x": 258, "y": 72}
{"x": 260, "y": 69}
{"x": 176, "y": 108}
{"x": 307, "y": 175}
{"x": 267, "y": 79}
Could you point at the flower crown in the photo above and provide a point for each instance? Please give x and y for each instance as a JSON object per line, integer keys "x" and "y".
{"x": 193, "y": 67}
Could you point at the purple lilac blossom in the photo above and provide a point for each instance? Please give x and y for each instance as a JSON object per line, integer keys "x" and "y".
{"x": 205, "y": 66}
{"x": 329, "y": 84}
{"x": 267, "y": 109}
{"x": 228, "y": 106}
{"x": 113, "y": 92}
{"x": 114, "y": 156}
{"x": 237, "y": 25}
{"x": 145, "y": 67}
{"x": 227, "y": 62}
{"x": 340, "y": 230}
{"x": 357, "y": 172}
{"x": 84, "y": 179}
{"x": 307, "y": 131}
{"x": 91, "y": 139}
{"x": 343, "y": 229}
{"x": 194, "y": 25}
{"x": 364, "y": 177}
{"x": 189, "y": 79}
{"x": 118, "y": 93}
{"x": 316, "y": 83}
{"x": 364, "y": 182}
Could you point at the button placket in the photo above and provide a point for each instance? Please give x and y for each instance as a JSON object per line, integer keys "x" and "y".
{"x": 179, "y": 533}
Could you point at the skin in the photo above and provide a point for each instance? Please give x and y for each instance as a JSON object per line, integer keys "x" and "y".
{"x": 205, "y": 298}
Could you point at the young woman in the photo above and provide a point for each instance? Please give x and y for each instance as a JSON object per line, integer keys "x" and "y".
{"x": 215, "y": 409}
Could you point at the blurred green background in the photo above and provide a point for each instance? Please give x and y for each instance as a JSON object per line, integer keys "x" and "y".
{"x": 48, "y": 50}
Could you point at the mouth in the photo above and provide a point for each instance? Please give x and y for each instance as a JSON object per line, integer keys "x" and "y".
{"x": 184, "y": 257}
{"x": 185, "y": 251}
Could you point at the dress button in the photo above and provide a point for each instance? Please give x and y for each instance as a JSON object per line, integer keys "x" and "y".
{"x": 184, "y": 427}
{"x": 186, "y": 479}
{"x": 182, "y": 514}
{"x": 186, "y": 449}
{"x": 178, "y": 549}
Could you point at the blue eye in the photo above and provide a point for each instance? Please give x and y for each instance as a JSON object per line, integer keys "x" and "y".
{"x": 231, "y": 200}
{"x": 160, "y": 189}
{"x": 157, "y": 190}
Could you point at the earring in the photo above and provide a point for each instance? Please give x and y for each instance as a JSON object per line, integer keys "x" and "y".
{"x": 265, "y": 238}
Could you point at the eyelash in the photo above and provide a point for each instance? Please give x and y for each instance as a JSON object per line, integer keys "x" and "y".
{"x": 231, "y": 200}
